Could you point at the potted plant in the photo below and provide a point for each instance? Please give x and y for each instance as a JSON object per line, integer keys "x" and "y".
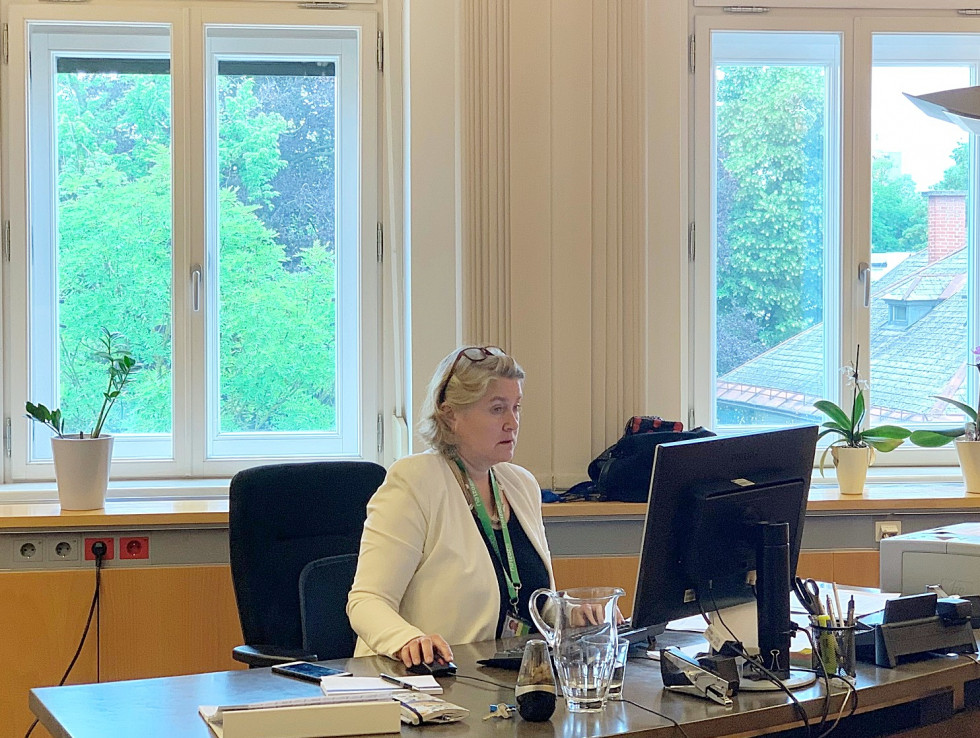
{"x": 966, "y": 437}
{"x": 854, "y": 451}
{"x": 81, "y": 462}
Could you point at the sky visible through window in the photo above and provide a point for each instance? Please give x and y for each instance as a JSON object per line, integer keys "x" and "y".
{"x": 925, "y": 143}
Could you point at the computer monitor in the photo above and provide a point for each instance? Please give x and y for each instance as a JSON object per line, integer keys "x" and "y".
{"x": 723, "y": 527}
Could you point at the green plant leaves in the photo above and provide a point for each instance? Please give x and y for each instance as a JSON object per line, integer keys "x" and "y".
{"x": 935, "y": 439}
{"x": 967, "y": 410}
{"x": 881, "y": 438}
{"x": 833, "y": 411}
{"x": 857, "y": 413}
{"x": 51, "y": 418}
{"x": 886, "y": 432}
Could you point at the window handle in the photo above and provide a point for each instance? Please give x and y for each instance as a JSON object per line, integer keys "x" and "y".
{"x": 864, "y": 276}
{"x": 196, "y": 288}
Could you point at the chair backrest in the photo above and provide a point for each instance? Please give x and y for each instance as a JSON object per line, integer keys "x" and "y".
{"x": 323, "y": 588}
{"x": 281, "y": 517}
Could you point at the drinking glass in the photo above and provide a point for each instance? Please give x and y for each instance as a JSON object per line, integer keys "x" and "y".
{"x": 619, "y": 670}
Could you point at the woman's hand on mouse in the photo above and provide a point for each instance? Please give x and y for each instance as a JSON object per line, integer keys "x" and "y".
{"x": 426, "y": 649}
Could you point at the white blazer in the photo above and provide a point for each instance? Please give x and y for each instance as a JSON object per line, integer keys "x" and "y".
{"x": 423, "y": 566}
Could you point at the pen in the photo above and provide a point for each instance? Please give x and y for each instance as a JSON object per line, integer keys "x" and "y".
{"x": 400, "y": 682}
{"x": 850, "y": 612}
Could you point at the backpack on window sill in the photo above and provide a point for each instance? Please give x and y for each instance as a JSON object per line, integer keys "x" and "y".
{"x": 621, "y": 473}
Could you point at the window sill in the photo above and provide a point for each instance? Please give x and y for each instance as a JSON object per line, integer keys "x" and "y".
{"x": 146, "y": 503}
{"x": 204, "y": 502}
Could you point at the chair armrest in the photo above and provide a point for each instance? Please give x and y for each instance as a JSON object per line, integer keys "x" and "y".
{"x": 259, "y": 656}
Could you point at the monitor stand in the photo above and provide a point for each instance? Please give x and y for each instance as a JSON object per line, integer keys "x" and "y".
{"x": 742, "y": 621}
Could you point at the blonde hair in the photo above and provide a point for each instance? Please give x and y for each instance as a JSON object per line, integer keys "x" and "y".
{"x": 458, "y": 382}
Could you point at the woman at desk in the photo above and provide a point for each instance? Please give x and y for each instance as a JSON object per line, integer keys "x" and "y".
{"x": 454, "y": 542}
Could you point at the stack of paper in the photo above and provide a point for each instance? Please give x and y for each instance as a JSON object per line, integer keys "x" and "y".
{"x": 375, "y": 687}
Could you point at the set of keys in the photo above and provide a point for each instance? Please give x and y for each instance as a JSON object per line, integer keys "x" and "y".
{"x": 501, "y": 710}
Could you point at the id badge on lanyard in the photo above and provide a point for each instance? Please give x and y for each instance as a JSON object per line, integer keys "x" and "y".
{"x": 514, "y": 626}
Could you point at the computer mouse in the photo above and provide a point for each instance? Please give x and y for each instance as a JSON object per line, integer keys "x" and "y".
{"x": 434, "y": 668}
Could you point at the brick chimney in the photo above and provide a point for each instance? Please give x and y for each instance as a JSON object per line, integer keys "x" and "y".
{"x": 947, "y": 223}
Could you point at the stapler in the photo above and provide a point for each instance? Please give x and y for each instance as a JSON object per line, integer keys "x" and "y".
{"x": 681, "y": 673}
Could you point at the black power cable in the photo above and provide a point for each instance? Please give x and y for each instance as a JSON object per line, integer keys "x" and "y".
{"x": 676, "y": 724}
{"x": 99, "y": 550}
{"x": 740, "y": 649}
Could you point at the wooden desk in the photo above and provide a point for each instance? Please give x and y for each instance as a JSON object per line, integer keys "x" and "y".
{"x": 167, "y": 707}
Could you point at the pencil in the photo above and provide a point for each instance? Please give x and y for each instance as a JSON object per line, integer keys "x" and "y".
{"x": 831, "y": 613}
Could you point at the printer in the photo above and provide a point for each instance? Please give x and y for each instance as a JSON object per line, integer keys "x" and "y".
{"x": 948, "y": 556}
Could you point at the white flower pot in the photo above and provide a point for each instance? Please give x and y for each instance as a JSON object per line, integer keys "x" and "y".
{"x": 81, "y": 468}
{"x": 852, "y": 467}
{"x": 969, "y": 453}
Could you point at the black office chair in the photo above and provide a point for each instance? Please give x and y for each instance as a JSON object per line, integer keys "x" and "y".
{"x": 323, "y": 588}
{"x": 280, "y": 518}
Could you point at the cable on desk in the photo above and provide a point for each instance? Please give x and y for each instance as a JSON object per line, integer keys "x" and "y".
{"x": 94, "y": 608}
{"x": 488, "y": 681}
{"x": 825, "y": 711}
{"x": 740, "y": 649}
{"x": 658, "y": 714}
{"x": 851, "y": 692}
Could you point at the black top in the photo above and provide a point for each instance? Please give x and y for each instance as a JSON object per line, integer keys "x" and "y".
{"x": 530, "y": 568}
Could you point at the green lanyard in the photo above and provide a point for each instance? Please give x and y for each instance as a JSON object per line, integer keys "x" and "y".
{"x": 514, "y": 580}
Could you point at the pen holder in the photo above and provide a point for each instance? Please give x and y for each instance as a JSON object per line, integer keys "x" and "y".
{"x": 833, "y": 650}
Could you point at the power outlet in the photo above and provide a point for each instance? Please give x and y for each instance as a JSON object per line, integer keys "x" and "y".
{"x": 887, "y": 529}
{"x": 137, "y": 547}
{"x": 110, "y": 549}
{"x": 62, "y": 548}
{"x": 28, "y": 551}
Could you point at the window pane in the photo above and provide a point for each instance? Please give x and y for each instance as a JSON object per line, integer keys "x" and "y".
{"x": 922, "y": 195}
{"x": 285, "y": 243}
{"x": 276, "y": 134}
{"x": 101, "y": 230}
{"x": 774, "y": 222}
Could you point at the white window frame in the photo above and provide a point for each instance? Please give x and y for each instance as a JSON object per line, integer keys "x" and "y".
{"x": 362, "y": 371}
{"x": 856, "y": 29}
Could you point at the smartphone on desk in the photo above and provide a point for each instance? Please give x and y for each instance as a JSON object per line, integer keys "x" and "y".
{"x": 306, "y": 671}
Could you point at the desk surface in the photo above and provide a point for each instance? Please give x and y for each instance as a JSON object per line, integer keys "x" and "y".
{"x": 167, "y": 707}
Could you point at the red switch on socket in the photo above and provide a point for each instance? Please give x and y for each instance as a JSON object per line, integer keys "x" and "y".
{"x": 134, "y": 548}
{"x": 109, "y": 548}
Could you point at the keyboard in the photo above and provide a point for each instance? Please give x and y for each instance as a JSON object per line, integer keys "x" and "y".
{"x": 506, "y": 659}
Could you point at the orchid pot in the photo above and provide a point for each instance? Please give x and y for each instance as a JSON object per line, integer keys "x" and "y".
{"x": 969, "y": 455}
{"x": 852, "y": 464}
